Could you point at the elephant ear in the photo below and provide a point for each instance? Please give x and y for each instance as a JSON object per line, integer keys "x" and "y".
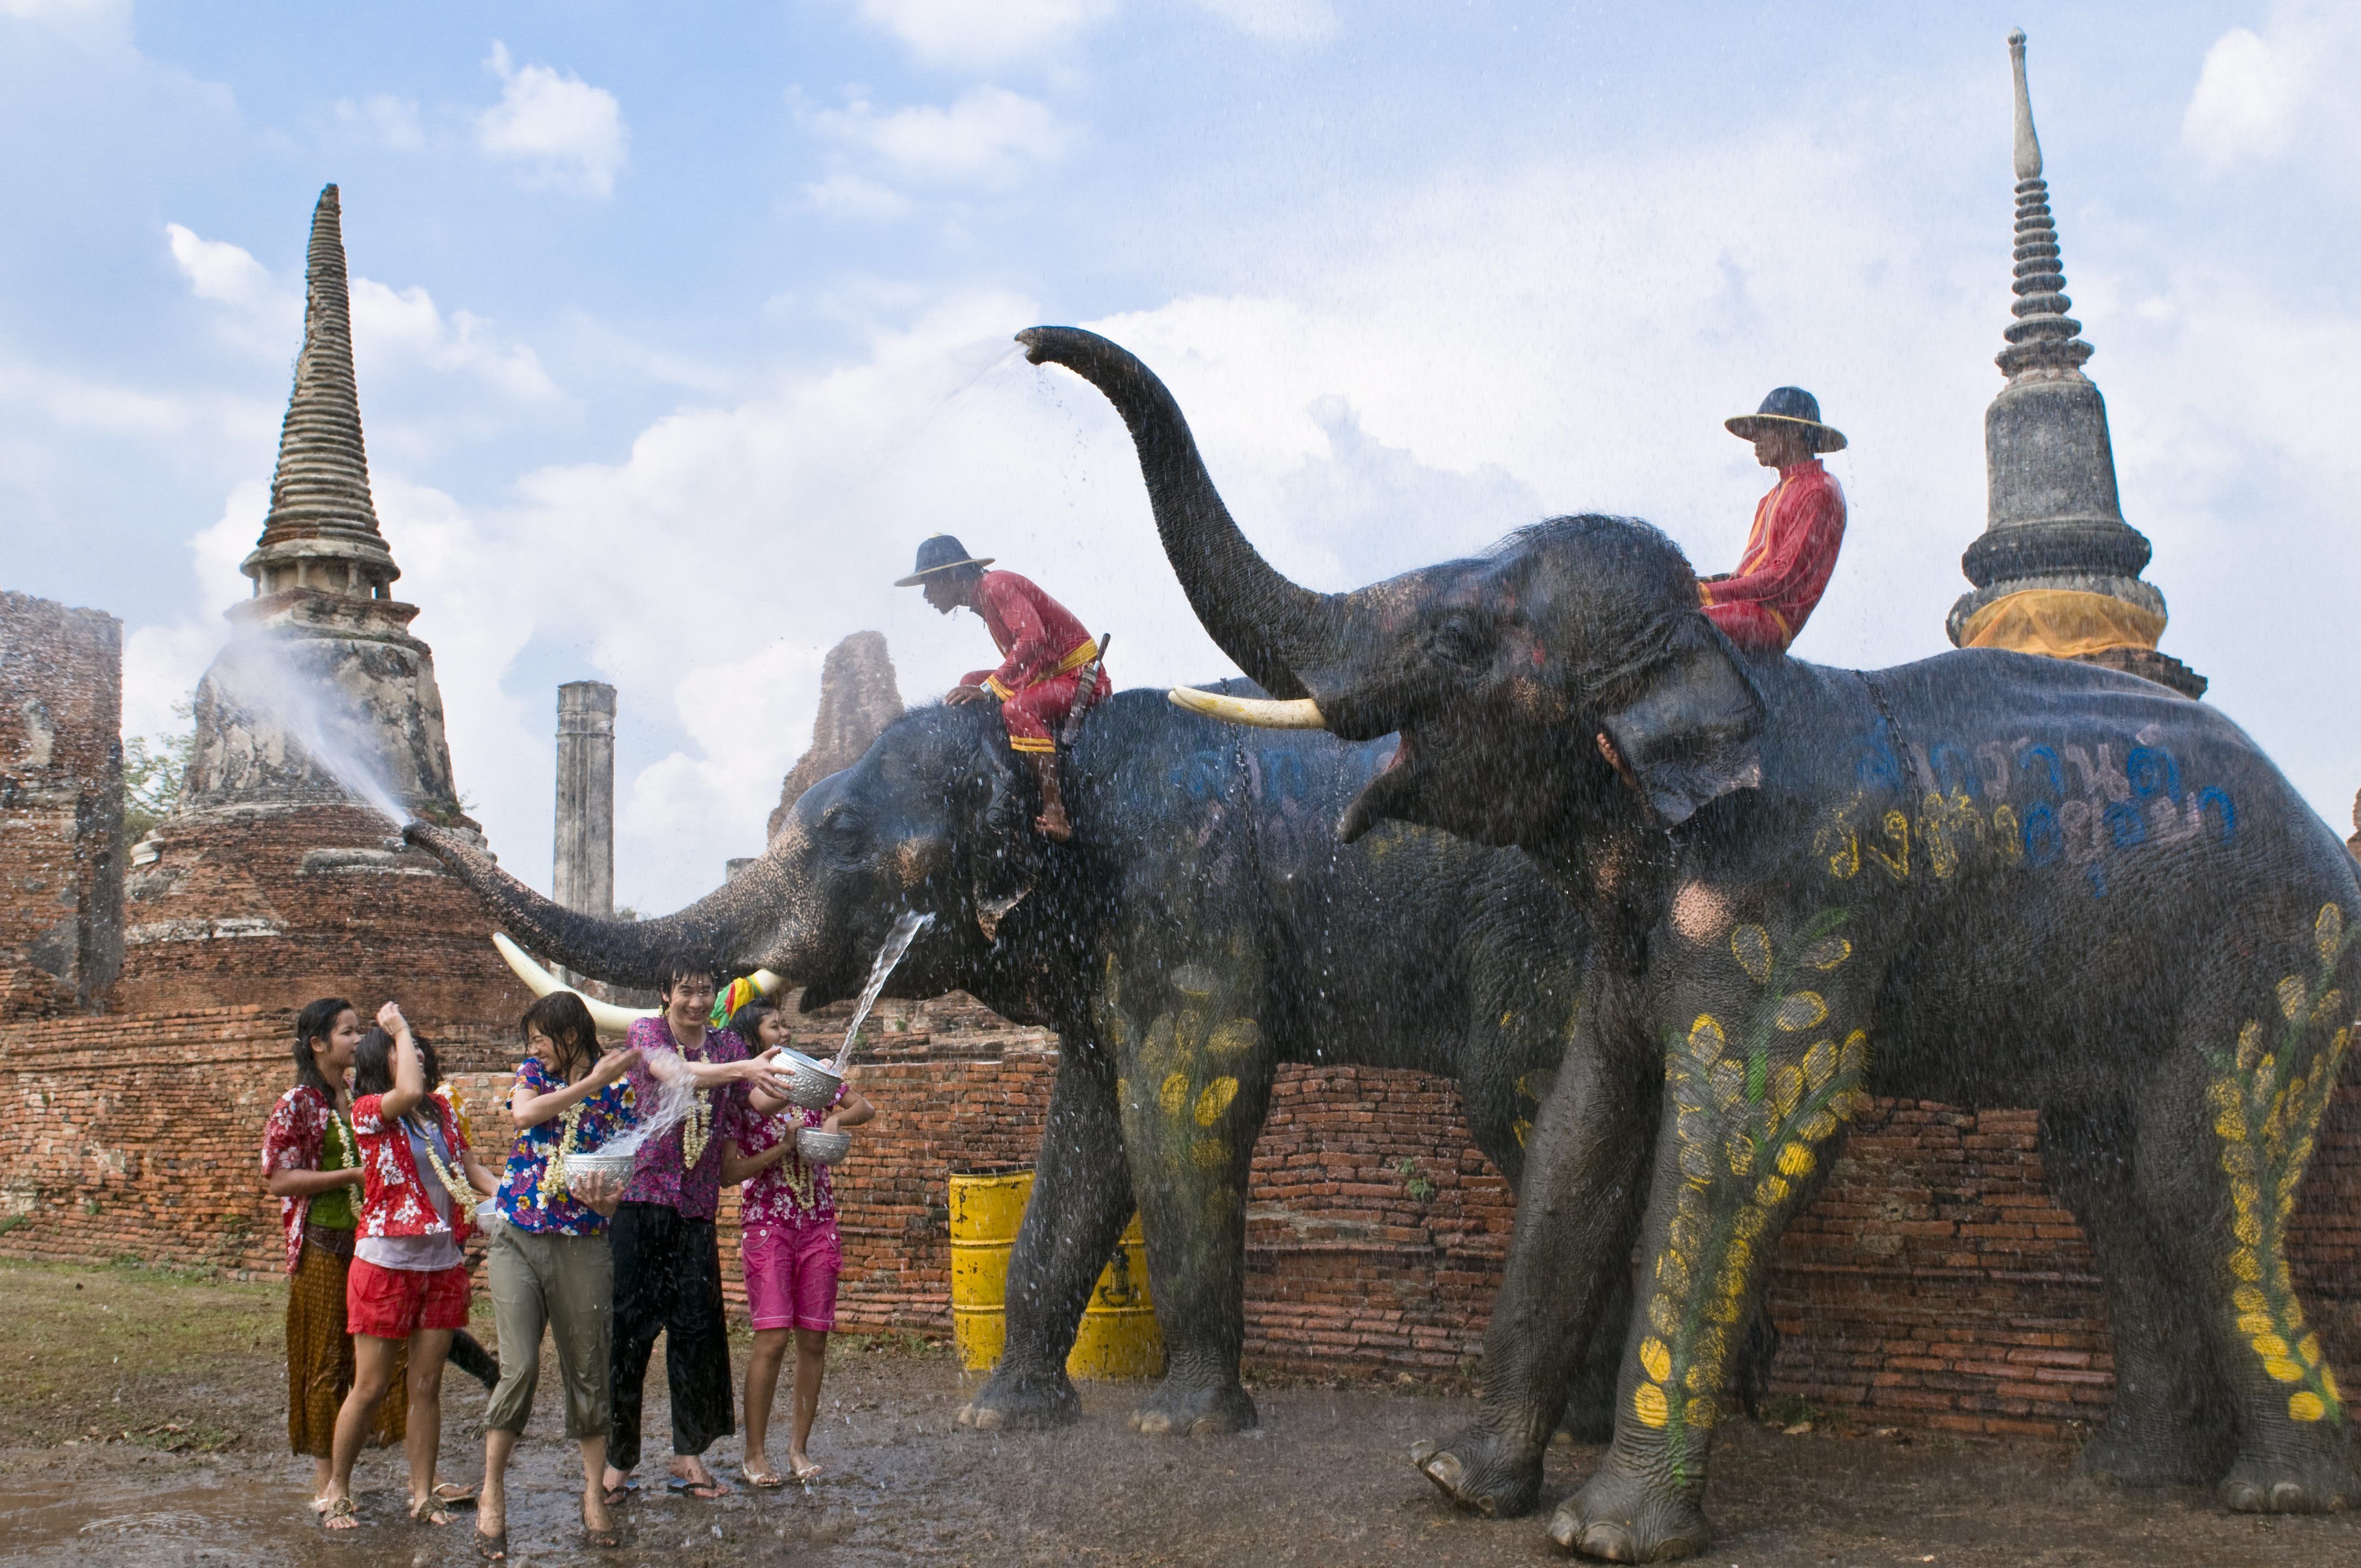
{"x": 1687, "y": 726}
{"x": 1003, "y": 858}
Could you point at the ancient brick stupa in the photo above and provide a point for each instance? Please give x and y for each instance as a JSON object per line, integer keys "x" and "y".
{"x": 279, "y": 874}
{"x": 2057, "y": 570}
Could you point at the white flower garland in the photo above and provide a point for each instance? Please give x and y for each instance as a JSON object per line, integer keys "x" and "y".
{"x": 454, "y": 1182}
{"x": 552, "y": 1175}
{"x": 695, "y": 1131}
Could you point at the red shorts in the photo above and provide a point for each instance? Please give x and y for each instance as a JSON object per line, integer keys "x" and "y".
{"x": 394, "y": 1303}
{"x": 791, "y": 1275}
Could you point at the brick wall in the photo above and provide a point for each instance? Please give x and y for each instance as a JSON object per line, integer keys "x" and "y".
{"x": 60, "y": 806}
{"x": 1935, "y": 1283}
{"x": 274, "y": 906}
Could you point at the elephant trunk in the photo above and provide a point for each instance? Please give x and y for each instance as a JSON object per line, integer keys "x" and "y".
{"x": 726, "y": 930}
{"x": 1267, "y": 623}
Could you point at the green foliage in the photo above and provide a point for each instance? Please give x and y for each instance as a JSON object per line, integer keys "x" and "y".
{"x": 1414, "y": 1184}
{"x": 153, "y": 766}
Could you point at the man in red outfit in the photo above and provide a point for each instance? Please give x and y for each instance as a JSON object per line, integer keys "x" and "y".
{"x": 1798, "y": 528}
{"x": 1043, "y": 651}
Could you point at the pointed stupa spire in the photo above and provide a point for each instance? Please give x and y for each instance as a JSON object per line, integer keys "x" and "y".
{"x": 322, "y": 533}
{"x": 2043, "y": 337}
{"x": 2056, "y": 569}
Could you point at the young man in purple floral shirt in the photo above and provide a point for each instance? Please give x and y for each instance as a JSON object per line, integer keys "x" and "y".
{"x": 667, "y": 1258}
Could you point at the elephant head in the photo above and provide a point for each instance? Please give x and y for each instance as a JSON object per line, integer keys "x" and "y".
{"x": 1568, "y": 674}
{"x": 929, "y": 819}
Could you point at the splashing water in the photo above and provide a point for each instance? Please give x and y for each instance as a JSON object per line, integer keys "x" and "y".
{"x": 675, "y": 1093}
{"x": 897, "y": 942}
{"x": 259, "y": 676}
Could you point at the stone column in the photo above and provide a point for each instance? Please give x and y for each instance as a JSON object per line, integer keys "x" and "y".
{"x": 585, "y": 878}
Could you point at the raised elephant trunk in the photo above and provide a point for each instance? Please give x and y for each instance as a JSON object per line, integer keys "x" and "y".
{"x": 1267, "y": 623}
{"x": 728, "y": 928}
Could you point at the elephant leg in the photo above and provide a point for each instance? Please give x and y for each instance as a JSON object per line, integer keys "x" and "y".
{"x": 1080, "y": 1203}
{"x": 1753, "y": 1113}
{"x": 1196, "y": 1087}
{"x": 2171, "y": 1426}
{"x": 2222, "y": 1146}
{"x": 1577, "y": 1211}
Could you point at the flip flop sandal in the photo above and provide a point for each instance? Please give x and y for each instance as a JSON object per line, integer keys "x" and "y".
{"x": 341, "y": 1508}
{"x": 492, "y": 1548}
{"x": 622, "y": 1494}
{"x": 807, "y": 1470}
{"x": 450, "y": 1494}
{"x": 429, "y": 1512}
{"x": 764, "y": 1480}
{"x": 703, "y": 1491}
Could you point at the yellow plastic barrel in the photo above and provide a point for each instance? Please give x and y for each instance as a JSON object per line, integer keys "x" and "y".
{"x": 1118, "y": 1336}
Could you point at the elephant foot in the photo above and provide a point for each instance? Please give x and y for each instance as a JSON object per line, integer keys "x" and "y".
{"x": 2152, "y": 1458}
{"x": 1195, "y": 1410}
{"x": 1481, "y": 1470}
{"x": 2317, "y": 1485}
{"x": 1015, "y": 1401}
{"x": 1626, "y": 1517}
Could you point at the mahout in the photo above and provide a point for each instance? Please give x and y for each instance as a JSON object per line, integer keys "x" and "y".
{"x": 1202, "y": 927}
{"x": 1984, "y": 878}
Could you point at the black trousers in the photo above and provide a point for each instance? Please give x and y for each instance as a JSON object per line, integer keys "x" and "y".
{"x": 667, "y": 1281}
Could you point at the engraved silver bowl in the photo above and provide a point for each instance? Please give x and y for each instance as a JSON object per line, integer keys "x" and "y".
{"x": 616, "y": 1165}
{"x": 810, "y": 1084}
{"x": 821, "y": 1147}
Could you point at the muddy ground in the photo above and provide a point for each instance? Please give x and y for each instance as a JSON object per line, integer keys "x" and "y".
{"x": 140, "y": 1423}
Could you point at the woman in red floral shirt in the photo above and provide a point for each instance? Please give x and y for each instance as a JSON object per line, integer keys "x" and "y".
{"x": 409, "y": 1280}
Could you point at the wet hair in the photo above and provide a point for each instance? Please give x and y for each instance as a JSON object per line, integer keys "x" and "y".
{"x": 562, "y": 1016}
{"x": 681, "y": 966}
{"x": 317, "y": 1022}
{"x": 373, "y": 1062}
{"x": 747, "y": 1022}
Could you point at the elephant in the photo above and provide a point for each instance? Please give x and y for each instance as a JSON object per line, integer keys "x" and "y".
{"x": 1202, "y": 929}
{"x": 1984, "y": 878}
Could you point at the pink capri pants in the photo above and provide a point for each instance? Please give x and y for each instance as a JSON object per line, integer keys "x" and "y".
{"x": 791, "y": 1275}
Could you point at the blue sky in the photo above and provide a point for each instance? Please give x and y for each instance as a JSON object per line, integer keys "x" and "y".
{"x": 677, "y": 328}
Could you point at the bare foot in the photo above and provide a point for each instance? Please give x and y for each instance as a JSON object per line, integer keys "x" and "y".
{"x": 617, "y": 1484}
{"x": 598, "y": 1521}
{"x": 802, "y": 1466}
{"x": 1054, "y": 826}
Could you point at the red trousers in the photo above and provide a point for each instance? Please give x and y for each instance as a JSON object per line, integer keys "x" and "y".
{"x": 1035, "y": 714}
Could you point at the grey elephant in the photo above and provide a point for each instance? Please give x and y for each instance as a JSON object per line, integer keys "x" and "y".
{"x": 1986, "y": 878}
{"x": 1202, "y": 928}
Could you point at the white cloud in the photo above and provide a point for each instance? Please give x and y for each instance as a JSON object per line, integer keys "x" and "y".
{"x": 385, "y": 120}
{"x": 162, "y": 664}
{"x": 99, "y": 21}
{"x": 220, "y": 271}
{"x": 989, "y": 137}
{"x": 2287, "y": 90}
{"x": 391, "y": 326}
{"x": 851, "y": 196}
{"x": 1281, "y": 21}
{"x": 981, "y": 33}
{"x": 564, "y": 130}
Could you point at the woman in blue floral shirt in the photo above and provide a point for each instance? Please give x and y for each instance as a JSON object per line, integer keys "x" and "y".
{"x": 549, "y": 1261}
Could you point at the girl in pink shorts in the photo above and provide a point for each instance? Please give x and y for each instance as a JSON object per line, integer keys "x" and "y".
{"x": 787, "y": 1242}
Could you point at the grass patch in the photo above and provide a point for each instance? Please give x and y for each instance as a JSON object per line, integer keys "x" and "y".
{"x": 128, "y": 1352}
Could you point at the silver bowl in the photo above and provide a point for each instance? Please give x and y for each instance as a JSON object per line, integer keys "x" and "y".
{"x": 617, "y": 1166}
{"x": 810, "y": 1084}
{"x": 821, "y": 1146}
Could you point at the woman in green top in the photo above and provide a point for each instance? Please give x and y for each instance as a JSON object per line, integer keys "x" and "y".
{"x": 311, "y": 1164}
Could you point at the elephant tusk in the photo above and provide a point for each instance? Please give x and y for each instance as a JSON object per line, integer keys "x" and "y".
{"x": 609, "y": 1019}
{"x": 1262, "y": 712}
{"x": 766, "y": 982}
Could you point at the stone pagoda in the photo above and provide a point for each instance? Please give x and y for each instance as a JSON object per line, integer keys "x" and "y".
{"x": 2057, "y": 570}
{"x": 281, "y": 874}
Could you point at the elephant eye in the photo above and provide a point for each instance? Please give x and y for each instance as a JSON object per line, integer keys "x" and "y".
{"x": 843, "y": 829}
{"x": 1457, "y": 641}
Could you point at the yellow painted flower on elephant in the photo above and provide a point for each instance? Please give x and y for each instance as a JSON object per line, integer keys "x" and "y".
{"x": 1827, "y": 954}
{"x": 1795, "y": 1160}
{"x": 2306, "y": 1406}
{"x": 1649, "y": 1404}
{"x": 1215, "y": 1100}
{"x": 1801, "y": 1011}
{"x": 1706, "y": 1038}
{"x": 1750, "y": 946}
{"x": 1657, "y": 1359}
{"x": 2294, "y": 997}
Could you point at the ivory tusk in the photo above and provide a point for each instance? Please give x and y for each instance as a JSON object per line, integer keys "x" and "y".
{"x": 1262, "y": 712}
{"x": 610, "y": 1020}
{"x": 766, "y": 982}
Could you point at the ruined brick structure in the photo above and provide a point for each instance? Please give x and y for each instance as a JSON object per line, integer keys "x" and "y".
{"x": 272, "y": 881}
{"x": 1934, "y": 1284}
{"x": 60, "y": 807}
{"x": 858, "y": 698}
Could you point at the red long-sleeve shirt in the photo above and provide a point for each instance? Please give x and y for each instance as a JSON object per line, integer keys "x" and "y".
{"x": 1799, "y": 528}
{"x": 1036, "y": 635}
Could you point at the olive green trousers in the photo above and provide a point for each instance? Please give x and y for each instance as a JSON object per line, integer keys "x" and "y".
{"x": 565, "y": 1284}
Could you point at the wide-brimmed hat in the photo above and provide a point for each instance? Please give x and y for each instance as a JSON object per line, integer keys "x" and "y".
{"x": 1797, "y": 410}
{"x": 941, "y": 552}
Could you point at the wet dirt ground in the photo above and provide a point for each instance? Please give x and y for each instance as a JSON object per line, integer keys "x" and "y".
{"x": 191, "y": 1468}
